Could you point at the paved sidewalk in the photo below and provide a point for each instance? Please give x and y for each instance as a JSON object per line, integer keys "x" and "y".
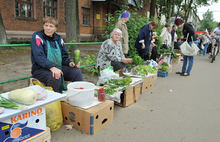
{"x": 177, "y": 109}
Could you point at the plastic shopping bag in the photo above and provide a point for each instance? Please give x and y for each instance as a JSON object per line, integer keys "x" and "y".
{"x": 107, "y": 74}
{"x": 54, "y": 118}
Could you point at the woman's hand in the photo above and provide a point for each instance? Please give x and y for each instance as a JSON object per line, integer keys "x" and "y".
{"x": 72, "y": 64}
{"x": 127, "y": 60}
{"x": 143, "y": 45}
{"x": 153, "y": 44}
{"x": 56, "y": 73}
{"x": 78, "y": 65}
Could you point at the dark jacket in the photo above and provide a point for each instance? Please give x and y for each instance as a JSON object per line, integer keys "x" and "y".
{"x": 146, "y": 35}
{"x": 188, "y": 28}
{"x": 39, "y": 50}
{"x": 172, "y": 34}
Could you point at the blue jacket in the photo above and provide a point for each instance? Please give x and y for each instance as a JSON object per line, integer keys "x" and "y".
{"x": 146, "y": 35}
{"x": 39, "y": 50}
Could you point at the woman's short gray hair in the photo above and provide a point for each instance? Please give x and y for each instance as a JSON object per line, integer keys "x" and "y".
{"x": 116, "y": 30}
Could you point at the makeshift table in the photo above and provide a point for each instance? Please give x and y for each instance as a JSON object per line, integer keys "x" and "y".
{"x": 23, "y": 125}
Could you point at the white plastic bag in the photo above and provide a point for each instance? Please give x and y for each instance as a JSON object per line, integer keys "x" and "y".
{"x": 41, "y": 92}
{"x": 107, "y": 74}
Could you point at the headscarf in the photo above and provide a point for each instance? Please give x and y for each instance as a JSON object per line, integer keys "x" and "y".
{"x": 124, "y": 14}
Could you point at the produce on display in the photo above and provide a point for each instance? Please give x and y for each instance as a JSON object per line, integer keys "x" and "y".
{"x": 23, "y": 96}
{"x": 2, "y": 110}
{"x": 121, "y": 82}
{"x": 164, "y": 67}
{"x": 101, "y": 94}
{"x": 6, "y": 103}
{"x": 112, "y": 86}
{"x": 137, "y": 60}
{"x": 79, "y": 88}
{"x": 110, "y": 91}
{"x": 143, "y": 70}
{"x": 76, "y": 57}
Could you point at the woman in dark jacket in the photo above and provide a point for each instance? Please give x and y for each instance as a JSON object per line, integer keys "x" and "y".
{"x": 49, "y": 57}
{"x": 187, "y": 29}
{"x": 144, "y": 39}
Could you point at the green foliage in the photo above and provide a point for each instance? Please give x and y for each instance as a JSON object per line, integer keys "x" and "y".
{"x": 137, "y": 60}
{"x": 159, "y": 42}
{"x": 207, "y": 22}
{"x": 91, "y": 60}
{"x": 179, "y": 32}
{"x": 134, "y": 25}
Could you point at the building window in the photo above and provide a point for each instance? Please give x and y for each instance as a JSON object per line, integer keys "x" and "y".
{"x": 85, "y": 14}
{"x": 50, "y": 8}
{"x": 24, "y": 8}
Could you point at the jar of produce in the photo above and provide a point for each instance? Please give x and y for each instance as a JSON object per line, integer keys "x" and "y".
{"x": 101, "y": 94}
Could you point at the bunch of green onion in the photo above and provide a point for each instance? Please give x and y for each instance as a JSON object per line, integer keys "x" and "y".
{"x": 6, "y": 103}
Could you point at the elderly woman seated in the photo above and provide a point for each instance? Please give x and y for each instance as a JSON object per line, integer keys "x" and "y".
{"x": 111, "y": 54}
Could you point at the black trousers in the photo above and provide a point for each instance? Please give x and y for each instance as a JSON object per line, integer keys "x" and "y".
{"x": 144, "y": 57}
{"x": 45, "y": 76}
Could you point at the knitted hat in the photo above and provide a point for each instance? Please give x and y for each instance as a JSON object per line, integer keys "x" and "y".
{"x": 124, "y": 14}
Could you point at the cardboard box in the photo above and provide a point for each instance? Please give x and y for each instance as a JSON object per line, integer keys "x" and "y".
{"x": 147, "y": 84}
{"x": 130, "y": 96}
{"x": 177, "y": 61}
{"x": 25, "y": 126}
{"x": 46, "y": 137}
{"x": 89, "y": 120}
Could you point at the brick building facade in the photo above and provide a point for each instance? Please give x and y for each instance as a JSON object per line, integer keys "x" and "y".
{"x": 23, "y": 17}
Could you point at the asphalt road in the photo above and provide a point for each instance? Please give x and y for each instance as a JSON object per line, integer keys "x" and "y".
{"x": 177, "y": 109}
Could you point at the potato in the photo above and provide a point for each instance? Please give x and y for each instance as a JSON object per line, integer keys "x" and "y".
{"x": 23, "y": 96}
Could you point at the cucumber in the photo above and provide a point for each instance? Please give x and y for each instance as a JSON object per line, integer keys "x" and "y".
{"x": 76, "y": 57}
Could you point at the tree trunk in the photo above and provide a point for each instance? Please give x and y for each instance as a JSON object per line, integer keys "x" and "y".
{"x": 72, "y": 23}
{"x": 152, "y": 8}
{"x": 188, "y": 10}
{"x": 173, "y": 6}
{"x": 3, "y": 37}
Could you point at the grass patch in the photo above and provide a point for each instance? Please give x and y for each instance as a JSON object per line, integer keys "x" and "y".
{"x": 14, "y": 51}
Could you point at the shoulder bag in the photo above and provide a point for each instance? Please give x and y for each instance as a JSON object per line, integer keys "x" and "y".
{"x": 188, "y": 50}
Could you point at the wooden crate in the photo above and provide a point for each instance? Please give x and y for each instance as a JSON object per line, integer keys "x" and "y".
{"x": 45, "y": 137}
{"x": 147, "y": 84}
{"x": 130, "y": 96}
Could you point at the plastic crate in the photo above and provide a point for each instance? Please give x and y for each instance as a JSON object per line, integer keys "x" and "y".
{"x": 162, "y": 74}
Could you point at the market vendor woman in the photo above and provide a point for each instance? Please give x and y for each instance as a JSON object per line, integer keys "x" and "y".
{"x": 110, "y": 53}
{"x": 50, "y": 59}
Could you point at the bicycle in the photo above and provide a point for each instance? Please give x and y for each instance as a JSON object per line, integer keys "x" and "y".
{"x": 215, "y": 48}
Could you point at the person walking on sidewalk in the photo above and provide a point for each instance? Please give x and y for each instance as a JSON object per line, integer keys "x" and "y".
{"x": 187, "y": 29}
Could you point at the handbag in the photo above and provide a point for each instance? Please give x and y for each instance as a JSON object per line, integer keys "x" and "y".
{"x": 188, "y": 50}
{"x": 206, "y": 41}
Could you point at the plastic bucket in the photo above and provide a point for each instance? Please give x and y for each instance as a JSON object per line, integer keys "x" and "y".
{"x": 80, "y": 97}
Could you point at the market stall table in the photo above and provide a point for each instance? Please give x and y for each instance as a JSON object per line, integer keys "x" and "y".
{"x": 23, "y": 125}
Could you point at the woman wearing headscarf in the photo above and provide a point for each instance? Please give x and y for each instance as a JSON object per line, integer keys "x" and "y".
{"x": 187, "y": 29}
{"x": 121, "y": 24}
{"x": 144, "y": 39}
{"x": 50, "y": 60}
{"x": 110, "y": 54}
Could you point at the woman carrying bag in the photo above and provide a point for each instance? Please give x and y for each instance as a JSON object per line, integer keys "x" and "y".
{"x": 191, "y": 38}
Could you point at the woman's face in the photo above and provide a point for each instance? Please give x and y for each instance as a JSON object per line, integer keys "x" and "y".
{"x": 49, "y": 29}
{"x": 180, "y": 26}
{"x": 125, "y": 19}
{"x": 116, "y": 36}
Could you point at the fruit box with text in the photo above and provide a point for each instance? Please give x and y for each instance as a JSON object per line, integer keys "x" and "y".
{"x": 24, "y": 126}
